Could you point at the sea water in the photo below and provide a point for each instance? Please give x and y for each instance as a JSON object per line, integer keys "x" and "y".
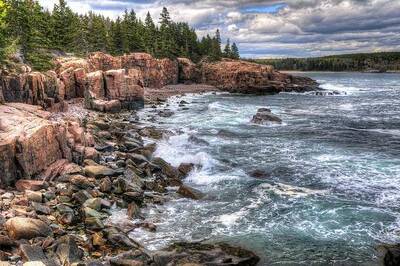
{"x": 328, "y": 178}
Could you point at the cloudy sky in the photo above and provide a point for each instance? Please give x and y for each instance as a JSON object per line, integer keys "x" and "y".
{"x": 273, "y": 28}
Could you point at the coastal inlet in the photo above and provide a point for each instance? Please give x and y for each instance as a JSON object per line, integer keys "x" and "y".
{"x": 321, "y": 187}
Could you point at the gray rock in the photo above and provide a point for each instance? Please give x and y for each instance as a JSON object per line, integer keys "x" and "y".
{"x": 265, "y": 116}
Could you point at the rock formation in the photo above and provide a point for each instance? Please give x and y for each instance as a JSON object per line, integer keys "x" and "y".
{"x": 246, "y": 77}
{"x": 30, "y": 142}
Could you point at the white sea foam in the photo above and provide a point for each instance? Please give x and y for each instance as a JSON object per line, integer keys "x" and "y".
{"x": 174, "y": 150}
{"x": 339, "y": 88}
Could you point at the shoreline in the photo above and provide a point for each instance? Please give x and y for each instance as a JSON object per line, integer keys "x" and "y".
{"x": 125, "y": 175}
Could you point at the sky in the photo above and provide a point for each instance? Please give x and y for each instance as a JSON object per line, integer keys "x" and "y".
{"x": 275, "y": 28}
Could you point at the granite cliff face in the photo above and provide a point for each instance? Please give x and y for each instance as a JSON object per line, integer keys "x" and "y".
{"x": 246, "y": 77}
{"x": 30, "y": 142}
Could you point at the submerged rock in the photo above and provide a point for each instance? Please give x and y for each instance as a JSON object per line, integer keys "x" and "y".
{"x": 265, "y": 116}
{"x": 205, "y": 254}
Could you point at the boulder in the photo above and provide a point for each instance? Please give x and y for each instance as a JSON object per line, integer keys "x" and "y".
{"x": 265, "y": 116}
{"x": 190, "y": 193}
{"x": 205, "y": 254}
{"x": 26, "y": 228}
{"x": 99, "y": 171}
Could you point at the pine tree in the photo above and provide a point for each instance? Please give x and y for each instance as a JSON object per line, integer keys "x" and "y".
{"x": 63, "y": 26}
{"x": 165, "y": 19}
{"x": 26, "y": 22}
{"x": 227, "y": 50}
{"x": 117, "y": 38}
{"x": 150, "y": 33}
{"x": 235, "y": 51}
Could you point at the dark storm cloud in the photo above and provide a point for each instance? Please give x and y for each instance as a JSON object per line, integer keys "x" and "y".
{"x": 276, "y": 27}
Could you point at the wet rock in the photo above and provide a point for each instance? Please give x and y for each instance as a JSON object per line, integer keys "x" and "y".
{"x": 26, "y": 228}
{"x": 264, "y": 116}
{"x": 68, "y": 251}
{"x": 189, "y": 192}
{"x": 133, "y": 196}
{"x": 99, "y": 171}
{"x": 205, "y": 254}
{"x": 166, "y": 168}
{"x": 185, "y": 169}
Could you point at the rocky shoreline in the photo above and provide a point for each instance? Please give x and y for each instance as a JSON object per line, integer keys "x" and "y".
{"x": 72, "y": 149}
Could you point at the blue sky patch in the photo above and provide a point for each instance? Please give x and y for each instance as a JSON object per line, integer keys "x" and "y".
{"x": 264, "y": 9}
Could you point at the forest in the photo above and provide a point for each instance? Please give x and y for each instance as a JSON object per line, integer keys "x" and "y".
{"x": 373, "y": 62}
{"x": 36, "y": 35}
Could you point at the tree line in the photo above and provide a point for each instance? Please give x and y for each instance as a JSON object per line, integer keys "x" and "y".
{"x": 36, "y": 34}
{"x": 377, "y": 62}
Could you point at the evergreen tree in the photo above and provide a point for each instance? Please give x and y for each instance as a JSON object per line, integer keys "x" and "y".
{"x": 36, "y": 32}
{"x": 27, "y": 24}
{"x": 3, "y": 13}
{"x": 227, "y": 49}
{"x": 150, "y": 33}
{"x": 63, "y": 20}
{"x": 235, "y": 51}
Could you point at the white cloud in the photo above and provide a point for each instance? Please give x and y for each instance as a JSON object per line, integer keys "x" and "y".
{"x": 301, "y": 28}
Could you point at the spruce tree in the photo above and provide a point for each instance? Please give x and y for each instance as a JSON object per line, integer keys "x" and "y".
{"x": 63, "y": 26}
{"x": 150, "y": 34}
{"x": 227, "y": 50}
{"x": 235, "y": 51}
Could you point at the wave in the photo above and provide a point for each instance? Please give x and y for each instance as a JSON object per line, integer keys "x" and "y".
{"x": 339, "y": 88}
{"x": 175, "y": 151}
